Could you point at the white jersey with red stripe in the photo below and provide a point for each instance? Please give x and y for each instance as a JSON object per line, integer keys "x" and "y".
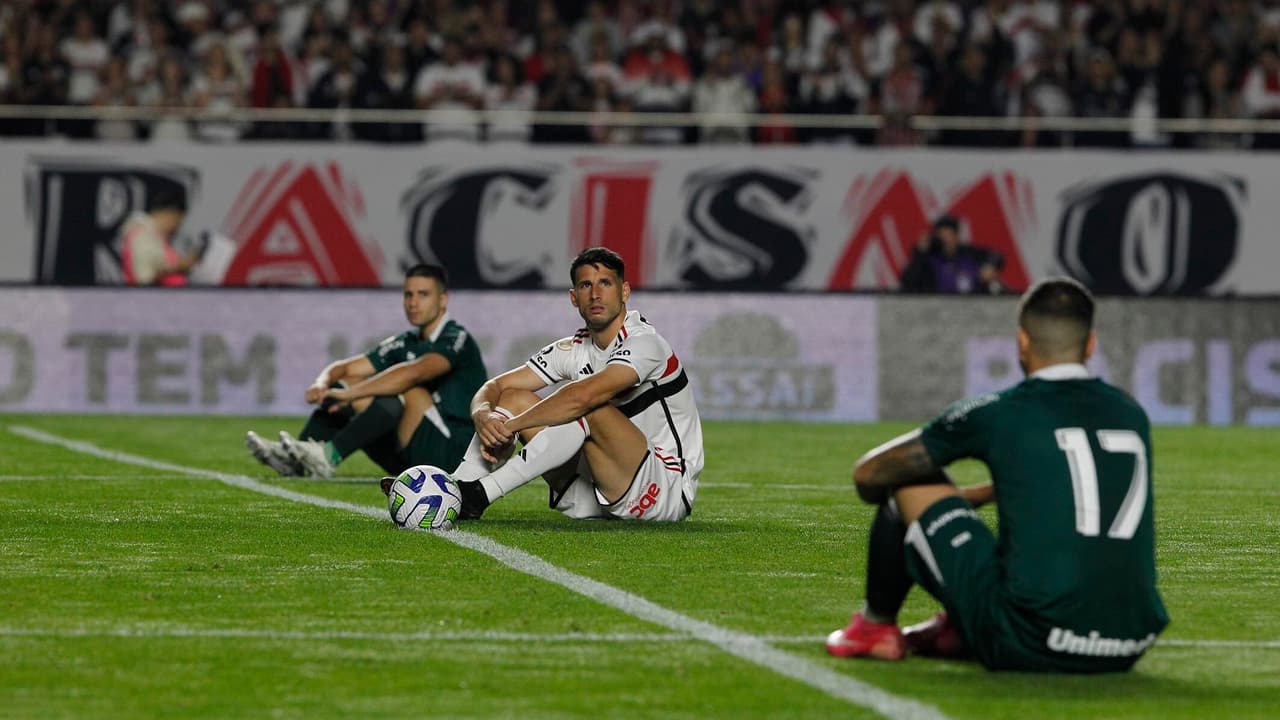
{"x": 660, "y": 403}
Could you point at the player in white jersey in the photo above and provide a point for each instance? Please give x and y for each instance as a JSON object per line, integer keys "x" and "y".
{"x": 620, "y": 438}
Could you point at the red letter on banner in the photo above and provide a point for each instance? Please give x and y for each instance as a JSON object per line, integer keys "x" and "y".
{"x": 611, "y": 209}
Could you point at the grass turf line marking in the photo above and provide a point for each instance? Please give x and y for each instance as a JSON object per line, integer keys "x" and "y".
{"x": 250, "y": 634}
{"x": 744, "y": 646}
{"x": 33, "y": 478}
{"x": 772, "y": 486}
{"x": 170, "y": 631}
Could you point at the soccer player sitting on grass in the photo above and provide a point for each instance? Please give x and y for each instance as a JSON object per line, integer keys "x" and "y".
{"x": 405, "y": 402}
{"x": 620, "y": 438}
{"x": 1070, "y": 583}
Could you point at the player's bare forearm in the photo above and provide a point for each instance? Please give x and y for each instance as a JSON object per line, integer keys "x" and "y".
{"x": 490, "y": 425}
{"x": 398, "y": 378}
{"x": 901, "y": 461}
{"x": 564, "y": 405}
{"x": 486, "y": 398}
{"x": 357, "y": 367}
{"x": 577, "y": 398}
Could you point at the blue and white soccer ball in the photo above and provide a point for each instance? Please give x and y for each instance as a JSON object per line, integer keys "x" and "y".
{"x": 425, "y": 497}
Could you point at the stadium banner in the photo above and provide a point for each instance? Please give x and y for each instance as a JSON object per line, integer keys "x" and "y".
{"x": 194, "y": 351}
{"x": 1185, "y": 361}
{"x": 708, "y": 218}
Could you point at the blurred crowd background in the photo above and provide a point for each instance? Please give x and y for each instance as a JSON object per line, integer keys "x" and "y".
{"x": 1133, "y": 59}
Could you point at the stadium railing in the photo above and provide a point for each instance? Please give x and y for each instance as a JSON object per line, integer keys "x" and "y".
{"x": 1138, "y": 127}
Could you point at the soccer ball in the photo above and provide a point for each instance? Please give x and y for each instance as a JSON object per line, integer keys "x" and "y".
{"x": 424, "y": 496}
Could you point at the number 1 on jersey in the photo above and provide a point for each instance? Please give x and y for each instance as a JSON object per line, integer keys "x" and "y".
{"x": 1084, "y": 479}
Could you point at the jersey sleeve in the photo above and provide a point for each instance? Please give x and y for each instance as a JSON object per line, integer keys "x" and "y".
{"x": 452, "y": 344}
{"x": 963, "y": 430}
{"x": 554, "y": 363}
{"x": 387, "y": 353}
{"x": 646, "y": 354}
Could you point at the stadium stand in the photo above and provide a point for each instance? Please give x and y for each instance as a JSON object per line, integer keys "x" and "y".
{"x": 896, "y": 59}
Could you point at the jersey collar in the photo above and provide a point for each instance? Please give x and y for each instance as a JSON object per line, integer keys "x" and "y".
{"x": 444, "y": 320}
{"x": 1062, "y": 371}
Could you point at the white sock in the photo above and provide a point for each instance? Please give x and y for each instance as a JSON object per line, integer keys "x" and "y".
{"x": 474, "y": 466}
{"x": 548, "y": 450}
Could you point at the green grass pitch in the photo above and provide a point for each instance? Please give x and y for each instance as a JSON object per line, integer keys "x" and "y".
{"x": 136, "y": 592}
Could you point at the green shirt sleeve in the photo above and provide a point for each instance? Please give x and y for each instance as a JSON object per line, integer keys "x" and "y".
{"x": 963, "y": 430}
{"x": 452, "y": 344}
{"x": 389, "y": 352}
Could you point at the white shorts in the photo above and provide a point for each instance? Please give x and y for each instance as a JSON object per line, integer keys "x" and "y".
{"x": 658, "y": 492}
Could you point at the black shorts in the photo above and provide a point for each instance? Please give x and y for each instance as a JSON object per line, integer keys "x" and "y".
{"x": 442, "y": 445}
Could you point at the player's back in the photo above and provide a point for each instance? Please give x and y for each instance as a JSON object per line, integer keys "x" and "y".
{"x": 1071, "y": 462}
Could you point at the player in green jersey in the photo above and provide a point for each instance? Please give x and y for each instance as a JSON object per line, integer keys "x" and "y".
{"x": 1069, "y": 585}
{"x": 407, "y": 401}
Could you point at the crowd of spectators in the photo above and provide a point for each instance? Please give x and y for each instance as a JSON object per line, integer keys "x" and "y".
{"x": 1133, "y": 59}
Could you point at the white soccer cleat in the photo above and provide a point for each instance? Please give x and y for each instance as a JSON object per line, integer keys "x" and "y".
{"x": 308, "y": 454}
{"x": 272, "y": 454}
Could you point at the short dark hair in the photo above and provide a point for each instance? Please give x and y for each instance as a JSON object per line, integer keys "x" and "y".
{"x": 947, "y": 221}
{"x": 598, "y": 256}
{"x": 167, "y": 199}
{"x": 427, "y": 270}
{"x": 1057, "y": 314}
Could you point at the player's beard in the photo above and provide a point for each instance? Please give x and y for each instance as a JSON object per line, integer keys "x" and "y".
{"x": 599, "y": 323}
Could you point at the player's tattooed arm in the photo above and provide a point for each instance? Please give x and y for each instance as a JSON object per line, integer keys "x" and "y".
{"x": 900, "y": 462}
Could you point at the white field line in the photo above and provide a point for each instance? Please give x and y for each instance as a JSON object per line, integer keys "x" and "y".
{"x": 742, "y": 645}
{"x": 341, "y": 479}
{"x": 90, "y": 478}
{"x": 172, "y": 631}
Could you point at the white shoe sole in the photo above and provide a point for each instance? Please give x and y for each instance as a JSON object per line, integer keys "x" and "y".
{"x": 312, "y": 465}
{"x": 263, "y": 453}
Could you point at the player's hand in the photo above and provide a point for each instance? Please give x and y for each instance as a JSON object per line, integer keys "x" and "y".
{"x": 495, "y": 439}
{"x": 492, "y": 429}
{"x": 497, "y": 455}
{"x": 341, "y": 397}
{"x": 315, "y": 394}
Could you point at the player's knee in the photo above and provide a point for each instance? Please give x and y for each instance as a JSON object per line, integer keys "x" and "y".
{"x": 605, "y": 413}
{"x": 517, "y": 401}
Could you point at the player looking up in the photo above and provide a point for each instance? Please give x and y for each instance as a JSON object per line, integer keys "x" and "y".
{"x": 1070, "y": 583}
{"x": 621, "y": 437}
{"x": 406, "y": 401}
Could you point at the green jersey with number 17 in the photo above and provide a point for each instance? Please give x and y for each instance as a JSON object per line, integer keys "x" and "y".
{"x": 1070, "y": 457}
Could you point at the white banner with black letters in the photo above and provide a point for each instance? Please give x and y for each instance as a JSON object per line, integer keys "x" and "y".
{"x": 726, "y": 219}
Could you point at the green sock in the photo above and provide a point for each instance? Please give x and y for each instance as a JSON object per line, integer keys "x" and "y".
{"x": 335, "y": 457}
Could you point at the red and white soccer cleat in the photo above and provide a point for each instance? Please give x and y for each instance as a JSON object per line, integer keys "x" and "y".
{"x": 863, "y": 638}
{"x": 936, "y": 637}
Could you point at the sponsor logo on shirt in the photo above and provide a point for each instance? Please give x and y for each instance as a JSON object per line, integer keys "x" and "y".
{"x": 646, "y": 501}
{"x": 947, "y": 517}
{"x": 1095, "y": 645}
